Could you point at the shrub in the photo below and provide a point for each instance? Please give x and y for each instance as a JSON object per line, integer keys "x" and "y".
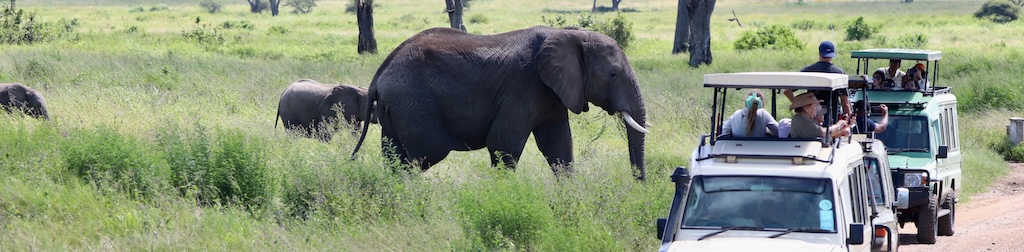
{"x": 301, "y": 6}
{"x": 859, "y": 30}
{"x": 618, "y": 28}
{"x": 478, "y": 19}
{"x": 205, "y": 35}
{"x": 775, "y": 37}
{"x": 159, "y": 7}
{"x": 227, "y": 168}
{"x": 138, "y": 9}
{"x": 110, "y": 160}
{"x": 998, "y": 11}
{"x": 210, "y": 6}
{"x": 1009, "y": 151}
{"x": 915, "y": 40}
{"x": 1018, "y": 2}
{"x": 280, "y": 30}
{"x": 805, "y": 25}
{"x": 20, "y": 27}
{"x": 505, "y": 212}
{"x": 237, "y": 25}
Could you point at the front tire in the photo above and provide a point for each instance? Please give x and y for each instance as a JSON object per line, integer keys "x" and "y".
{"x": 927, "y": 224}
{"x": 946, "y": 222}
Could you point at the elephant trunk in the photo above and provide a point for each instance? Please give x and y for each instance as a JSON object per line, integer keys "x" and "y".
{"x": 636, "y": 136}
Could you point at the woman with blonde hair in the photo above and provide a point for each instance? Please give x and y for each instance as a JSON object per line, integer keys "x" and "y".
{"x": 751, "y": 121}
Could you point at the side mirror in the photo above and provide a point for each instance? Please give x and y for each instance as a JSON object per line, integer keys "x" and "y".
{"x": 902, "y": 198}
{"x": 943, "y": 152}
{"x": 662, "y": 222}
{"x": 681, "y": 176}
{"x": 856, "y": 234}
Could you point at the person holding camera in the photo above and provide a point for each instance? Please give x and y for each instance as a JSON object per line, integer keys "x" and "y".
{"x": 865, "y": 124}
{"x": 892, "y": 75}
{"x": 916, "y": 78}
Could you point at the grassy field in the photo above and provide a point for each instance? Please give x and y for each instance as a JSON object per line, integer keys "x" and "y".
{"x": 162, "y": 134}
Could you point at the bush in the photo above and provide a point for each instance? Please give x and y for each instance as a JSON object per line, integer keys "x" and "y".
{"x": 775, "y": 37}
{"x": 237, "y": 25}
{"x": 478, "y": 19}
{"x": 280, "y": 30}
{"x": 20, "y": 27}
{"x": 1009, "y": 151}
{"x": 210, "y": 6}
{"x": 110, "y": 160}
{"x": 205, "y": 35}
{"x": 159, "y": 7}
{"x": 915, "y": 41}
{"x": 227, "y": 168}
{"x": 618, "y": 28}
{"x": 138, "y": 9}
{"x": 301, "y": 6}
{"x": 505, "y": 212}
{"x": 859, "y": 30}
{"x": 805, "y": 25}
{"x": 998, "y": 11}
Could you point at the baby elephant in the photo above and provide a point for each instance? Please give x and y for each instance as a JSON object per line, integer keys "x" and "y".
{"x": 309, "y": 107}
{"x": 17, "y": 97}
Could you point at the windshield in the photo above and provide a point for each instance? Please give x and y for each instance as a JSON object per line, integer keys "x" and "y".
{"x": 905, "y": 134}
{"x": 765, "y": 202}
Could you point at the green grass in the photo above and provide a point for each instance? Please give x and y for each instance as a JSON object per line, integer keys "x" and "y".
{"x": 131, "y": 93}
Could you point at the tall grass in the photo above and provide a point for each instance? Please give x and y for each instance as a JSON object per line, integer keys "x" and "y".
{"x": 158, "y": 142}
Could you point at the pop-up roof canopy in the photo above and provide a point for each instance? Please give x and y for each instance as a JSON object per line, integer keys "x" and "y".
{"x": 778, "y": 80}
{"x": 903, "y": 54}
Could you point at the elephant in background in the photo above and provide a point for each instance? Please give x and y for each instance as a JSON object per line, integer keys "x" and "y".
{"x": 18, "y": 97}
{"x": 444, "y": 89}
{"x": 308, "y": 107}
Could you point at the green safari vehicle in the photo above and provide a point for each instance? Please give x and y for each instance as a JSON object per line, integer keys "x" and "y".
{"x": 922, "y": 138}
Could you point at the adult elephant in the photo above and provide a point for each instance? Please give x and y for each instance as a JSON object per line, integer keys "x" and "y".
{"x": 309, "y": 107}
{"x": 18, "y": 97}
{"x": 444, "y": 89}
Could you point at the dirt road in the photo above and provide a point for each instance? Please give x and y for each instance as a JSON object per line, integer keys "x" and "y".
{"x": 992, "y": 221}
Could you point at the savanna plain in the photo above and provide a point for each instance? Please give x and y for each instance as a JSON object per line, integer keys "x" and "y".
{"x": 162, "y": 133}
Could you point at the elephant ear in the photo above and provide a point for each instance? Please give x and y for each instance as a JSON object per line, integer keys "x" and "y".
{"x": 560, "y": 64}
{"x": 327, "y": 103}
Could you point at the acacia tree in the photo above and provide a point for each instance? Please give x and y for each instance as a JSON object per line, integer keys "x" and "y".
{"x": 254, "y": 6}
{"x": 454, "y": 9}
{"x": 364, "y": 16}
{"x": 615, "y": 5}
{"x": 275, "y": 6}
{"x": 693, "y": 30}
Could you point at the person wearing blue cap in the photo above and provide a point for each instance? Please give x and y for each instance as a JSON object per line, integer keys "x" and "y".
{"x": 827, "y": 51}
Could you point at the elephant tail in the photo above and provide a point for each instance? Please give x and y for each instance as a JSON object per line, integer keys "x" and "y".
{"x": 371, "y": 97}
{"x": 277, "y": 116}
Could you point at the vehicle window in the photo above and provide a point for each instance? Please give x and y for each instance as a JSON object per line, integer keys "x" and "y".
{"x": 906, "y": 133}
{"x": 855, "y": 196}
{"x": 955, "y": 126}
{"x": 768, "y": 202}
{"x": 875, "y": 182}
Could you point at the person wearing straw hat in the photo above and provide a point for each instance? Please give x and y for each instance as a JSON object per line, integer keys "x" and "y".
{"x": 806, "y": 107}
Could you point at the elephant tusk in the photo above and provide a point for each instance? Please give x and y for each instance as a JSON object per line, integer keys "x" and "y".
{"x": 632, "y": 123}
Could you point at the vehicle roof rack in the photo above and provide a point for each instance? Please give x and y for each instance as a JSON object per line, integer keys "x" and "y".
{"x": 896, "y": 53}
{"x": 778, "y": 80}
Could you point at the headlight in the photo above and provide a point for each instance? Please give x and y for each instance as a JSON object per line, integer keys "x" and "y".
{"x": 915, "y": 179}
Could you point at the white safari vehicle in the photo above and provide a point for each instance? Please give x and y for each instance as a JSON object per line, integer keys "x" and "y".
{"x": 781, "y": 194}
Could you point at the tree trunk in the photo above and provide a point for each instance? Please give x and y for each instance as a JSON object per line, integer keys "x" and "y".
{"x": 364, "y": 16}
{"x": 615, "y": 5}
{"x": 254, "y": 6}
{"x": 594, "y": 7}
{"x": 274, "y": 5}
{"x": 700, "y": 31}
{"x": 455, "y": 14}
{"x": 682, "y": 43}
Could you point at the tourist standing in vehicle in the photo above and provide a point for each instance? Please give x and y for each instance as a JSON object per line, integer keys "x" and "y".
{"x": 827, "y": 51}
{"x": 893, "y": 73}
{"x": 806, "y": 107}
{"x": 752, "y": 121}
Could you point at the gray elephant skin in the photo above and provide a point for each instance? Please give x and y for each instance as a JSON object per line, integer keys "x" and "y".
{"x": 308, "y": 107}
{"x": 15, "y": 97}
{"x": 444, "y": 89}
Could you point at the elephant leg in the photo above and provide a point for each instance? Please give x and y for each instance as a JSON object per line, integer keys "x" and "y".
{"x": 555, "y": 141}
{"x": 506, "y": 147}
